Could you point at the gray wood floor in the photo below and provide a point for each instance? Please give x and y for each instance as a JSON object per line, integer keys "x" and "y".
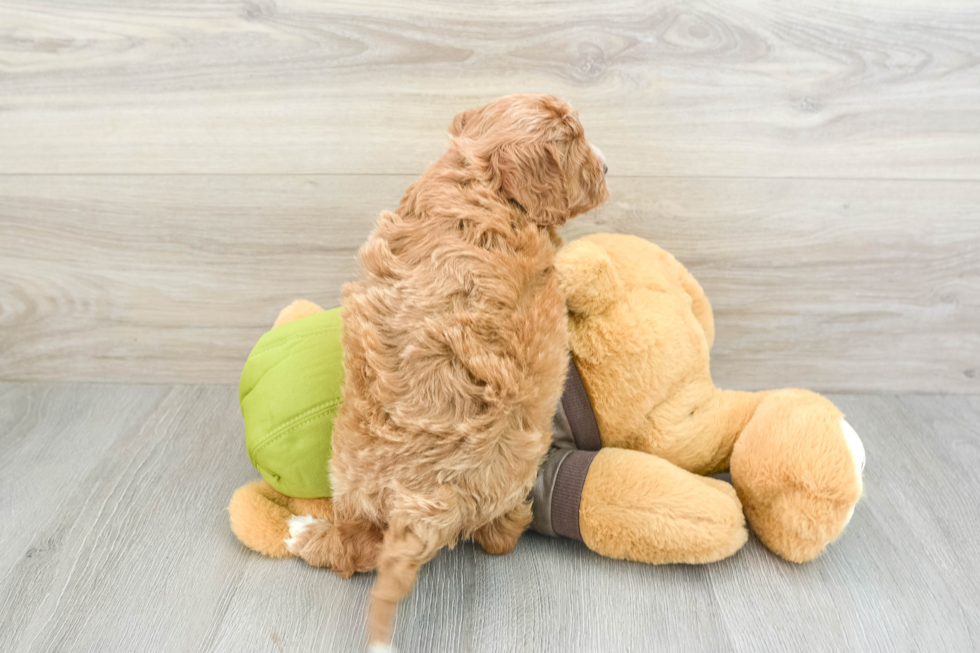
{"x": 114, "y": 537}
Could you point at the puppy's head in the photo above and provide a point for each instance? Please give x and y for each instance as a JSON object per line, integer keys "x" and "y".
{"x": 532, "y": 148}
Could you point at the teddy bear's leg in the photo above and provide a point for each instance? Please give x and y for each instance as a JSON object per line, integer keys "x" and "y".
{"x": 637, "y": 506}
{"x": 797, "y": 468}
{"x": 296, "y": 310}
{"x": 259, "y": 516}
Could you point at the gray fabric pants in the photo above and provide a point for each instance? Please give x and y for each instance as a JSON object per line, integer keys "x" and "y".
{"x": 557, "y": 492}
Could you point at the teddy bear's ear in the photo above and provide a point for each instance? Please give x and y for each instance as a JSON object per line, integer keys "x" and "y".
{"x": 588, "y": 277}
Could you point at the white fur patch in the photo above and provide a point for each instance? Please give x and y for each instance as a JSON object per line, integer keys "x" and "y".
{"x": 297, "y": 526}
{"x": 598, "y": 152}
{"x": 380, "y": 648}
{"x": 857, "y": 453}
{"x": 855, "y": 445}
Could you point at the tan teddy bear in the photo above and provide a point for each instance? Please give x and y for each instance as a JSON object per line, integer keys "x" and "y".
{"x": 641, "y": 329}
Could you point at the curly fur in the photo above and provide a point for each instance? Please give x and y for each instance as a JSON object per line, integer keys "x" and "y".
{"x": 455, "y": 348}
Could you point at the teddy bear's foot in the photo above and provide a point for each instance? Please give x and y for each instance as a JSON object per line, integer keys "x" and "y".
{"x": 797, "y": 467}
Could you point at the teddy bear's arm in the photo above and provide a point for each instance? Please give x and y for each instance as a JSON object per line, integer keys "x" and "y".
{"x": 640, "y": 507}
{"x": 635, "y": 506}
{"x": 296, "y": 310}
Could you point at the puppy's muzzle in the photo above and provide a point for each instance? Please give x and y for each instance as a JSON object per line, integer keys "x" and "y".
{"x": 601, "y": 157}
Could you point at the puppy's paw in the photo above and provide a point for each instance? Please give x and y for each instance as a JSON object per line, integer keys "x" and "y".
{"x": 496, "y": 542}
{"x": 500, "y": 536}
{"x": 300, "y": 530}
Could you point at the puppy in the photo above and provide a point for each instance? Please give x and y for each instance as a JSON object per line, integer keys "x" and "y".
{"x": 455, "y": 350}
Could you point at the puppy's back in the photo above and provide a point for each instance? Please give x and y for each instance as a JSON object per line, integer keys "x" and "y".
{"x": 454, "y": 343}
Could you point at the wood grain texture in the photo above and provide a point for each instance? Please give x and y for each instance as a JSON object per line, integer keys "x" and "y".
{"x": 114, "y": 538}
{"x": 760, "y": 88}
{"x": 836, "y": 285}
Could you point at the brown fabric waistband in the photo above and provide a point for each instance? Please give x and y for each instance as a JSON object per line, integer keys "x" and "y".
{"x": 578, "y": 410}
{"x": 567, "y": 495}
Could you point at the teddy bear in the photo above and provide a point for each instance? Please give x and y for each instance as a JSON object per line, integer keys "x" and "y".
{"x": 639, "y": 434}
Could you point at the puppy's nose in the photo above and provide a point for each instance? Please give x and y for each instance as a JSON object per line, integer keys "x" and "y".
{"x": 605, "y": 168}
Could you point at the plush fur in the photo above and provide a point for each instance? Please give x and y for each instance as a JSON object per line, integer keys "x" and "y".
{"x": 641, "y": 507}
{"x": 260, "y": 515}
{"x": 799, "y": 492}
{"x": 298, "y": 309}
{"x": 641, "y": 328}
{"x": 455, "y": 349}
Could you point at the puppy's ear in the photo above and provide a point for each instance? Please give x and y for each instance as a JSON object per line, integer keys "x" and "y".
{"x": 531, "y": 174}
{"x": 459, "y": 122}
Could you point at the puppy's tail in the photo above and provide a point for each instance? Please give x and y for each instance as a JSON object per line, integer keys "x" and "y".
{"x": 403, "y": 551}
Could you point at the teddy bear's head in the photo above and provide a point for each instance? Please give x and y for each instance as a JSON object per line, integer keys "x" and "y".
{"x": 640, "y": 331}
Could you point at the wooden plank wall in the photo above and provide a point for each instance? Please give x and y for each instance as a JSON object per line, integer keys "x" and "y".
{"x": 171, "y": 175}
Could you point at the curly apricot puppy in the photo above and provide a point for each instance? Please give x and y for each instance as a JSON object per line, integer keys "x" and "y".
{"x": 455, "y": 350}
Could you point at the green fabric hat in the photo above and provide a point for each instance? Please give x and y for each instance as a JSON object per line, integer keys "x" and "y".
{"x": 289, "y": 394}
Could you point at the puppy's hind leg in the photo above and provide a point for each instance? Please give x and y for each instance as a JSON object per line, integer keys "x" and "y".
{"x": 343, "y": 547}
{"x": 500, "y": 536}
{"x": 403, "y": 552}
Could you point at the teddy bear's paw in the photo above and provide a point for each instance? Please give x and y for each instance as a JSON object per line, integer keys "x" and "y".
{"x": 300, "y": 528}
{"x": 858, "y": 454}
